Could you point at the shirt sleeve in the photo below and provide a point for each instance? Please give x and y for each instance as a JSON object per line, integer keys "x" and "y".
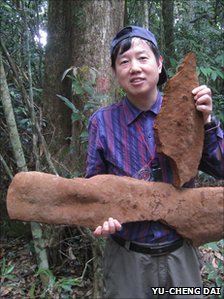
{"x": 95, "y": 162}
{"x": 212, "y": 161}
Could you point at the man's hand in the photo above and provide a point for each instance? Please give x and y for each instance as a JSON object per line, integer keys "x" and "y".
{"x": 203, "y": 101}
{"x": 109, "y": 227}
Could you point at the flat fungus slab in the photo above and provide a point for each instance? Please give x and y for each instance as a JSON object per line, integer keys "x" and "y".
{"x": 196, "y": 214}
{"x": 179, "y": 128}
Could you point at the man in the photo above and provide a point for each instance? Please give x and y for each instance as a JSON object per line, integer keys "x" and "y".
{"x": 143, "y": 255}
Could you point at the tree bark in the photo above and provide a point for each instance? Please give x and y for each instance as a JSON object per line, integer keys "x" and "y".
{"x": 39, "y": 245}
{"x": 79, "y": 35}
{"x": 146, "y": 14}
{"x": 168, "y": 21}
{"x": 95, "y": 23}
{"x": 11, "y": 122}
{"x": 57, "y": 59}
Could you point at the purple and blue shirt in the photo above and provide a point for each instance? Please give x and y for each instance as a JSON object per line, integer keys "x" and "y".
{"x": 121, "y": 142}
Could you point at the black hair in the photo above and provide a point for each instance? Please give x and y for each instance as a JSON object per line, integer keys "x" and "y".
{"x": 125, "y": 45}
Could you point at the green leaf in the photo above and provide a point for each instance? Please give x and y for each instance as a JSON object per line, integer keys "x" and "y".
{"x": 32, "y": 291}
{"x": 9, "y": 270}
{"x": 24, "y": 121}
{"x": 76, "y": 87}
{"x": 100, "y": 97}
{"x": 6, "y": 7}
{"x": 76, "y": 174}
{"x": 173, "y": 62}
{"x": 219, "y": 281}
{"x": 67, "y": 283}
{"x": 205, "y": 71}
{"x": 212, "y": 245}
{"x": 220, "y": 74}
{"x": 219, "y": 59}
{"x": 212, "y": 275}
{"x": 66, "y": 73}
{"x": 47, "y": 272}
{"x": 214, "y": 75}
{"x": 90, "y": 105}
{"x": 76, "y": 116}
{"x": 68, "y": 103}
{"x": 37, "y": 89}
{"x": 221, "y": 243}
{"x": 88, "y": 88}
{"x": 84, "y": 134}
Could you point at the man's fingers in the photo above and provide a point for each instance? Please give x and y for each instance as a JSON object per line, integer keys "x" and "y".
{"x": 200, "y": 88}
{"x": 98, "y": 231}
{"x": 109, "y": 227}
{"x": 203, "y": 101}
{"x": 117, "y": 224}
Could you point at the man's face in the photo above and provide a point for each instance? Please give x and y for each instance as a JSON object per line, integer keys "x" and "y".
{"x": 138, "y": 71}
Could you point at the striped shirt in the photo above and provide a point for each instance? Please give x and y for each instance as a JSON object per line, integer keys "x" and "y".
{"x": 121, "y": 142}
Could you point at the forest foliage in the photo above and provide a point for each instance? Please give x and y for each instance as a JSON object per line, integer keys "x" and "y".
{"x": 197, "y": 26}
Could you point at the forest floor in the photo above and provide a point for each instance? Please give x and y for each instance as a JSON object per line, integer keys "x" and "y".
{"x": 20, "y": 278}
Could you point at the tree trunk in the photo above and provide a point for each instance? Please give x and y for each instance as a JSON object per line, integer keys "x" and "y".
{"x": 168, "y": 28}
{"x": 57, "y": 59}
{"x": 95, "y": 24}
{"x": 39, "y": 245}
{"x": 79, "y": 35}
{"x": 146, "y": 14}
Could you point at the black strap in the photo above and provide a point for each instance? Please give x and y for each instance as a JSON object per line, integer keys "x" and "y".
{"x": 146, "y": 249}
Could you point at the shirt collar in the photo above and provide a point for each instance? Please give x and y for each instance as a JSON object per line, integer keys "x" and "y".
{"x": 132, "y": 112}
